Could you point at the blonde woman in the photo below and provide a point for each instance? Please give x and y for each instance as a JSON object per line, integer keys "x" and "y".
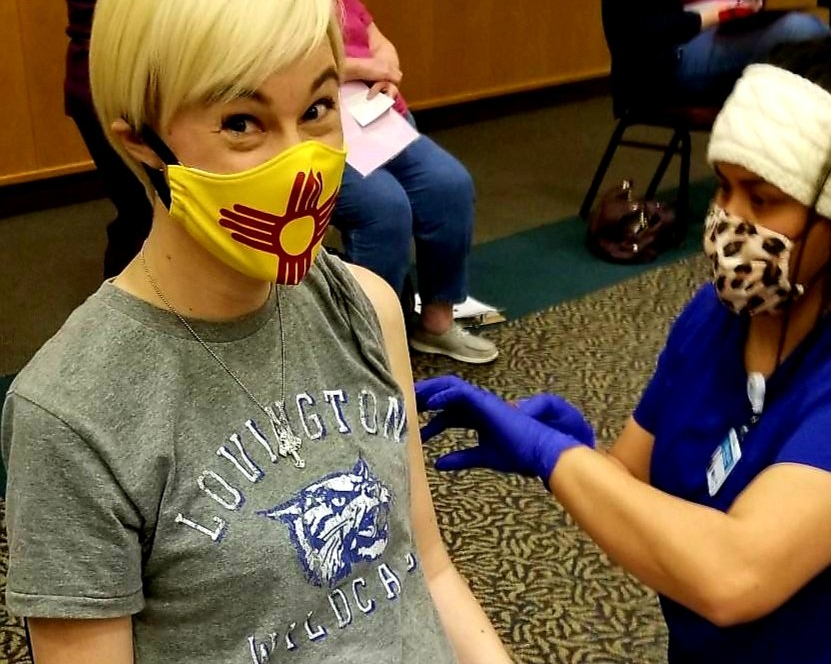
{"x": 210, "y": 462}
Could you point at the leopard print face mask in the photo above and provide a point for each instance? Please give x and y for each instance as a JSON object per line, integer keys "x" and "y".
{"x": 750, "y": 264}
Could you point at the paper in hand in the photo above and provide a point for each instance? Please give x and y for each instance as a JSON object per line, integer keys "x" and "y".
{"x": 366, "y": 111}
{"x": 372, "y": 146}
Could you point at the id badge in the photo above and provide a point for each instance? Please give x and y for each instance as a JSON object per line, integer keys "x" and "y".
{"x": 723, "y": 462}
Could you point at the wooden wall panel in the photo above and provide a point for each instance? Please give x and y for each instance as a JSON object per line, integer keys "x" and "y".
{"x": 17, "y": 149}
{"x": 450, "y": 50}
{"x": 467, "y": 49}
{"x": 410, "y": 33}
{"x": 57, "y": 142}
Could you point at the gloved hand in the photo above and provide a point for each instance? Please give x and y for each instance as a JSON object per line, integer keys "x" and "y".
{"x": 509, "y": 440}
{"x": 557, "y": 413}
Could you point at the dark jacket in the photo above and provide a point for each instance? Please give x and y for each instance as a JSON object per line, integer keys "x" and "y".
{"x": 643, "y": 38}
{"x": 648, "y": 23}
{"x": 76, "y": 85}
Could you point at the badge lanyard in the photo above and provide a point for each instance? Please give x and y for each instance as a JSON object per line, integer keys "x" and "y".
{"x": 729, "y": 451}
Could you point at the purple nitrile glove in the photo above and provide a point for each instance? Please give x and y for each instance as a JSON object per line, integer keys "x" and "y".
{"x": 510, "y": 441}
{"x": 557, "y": 413}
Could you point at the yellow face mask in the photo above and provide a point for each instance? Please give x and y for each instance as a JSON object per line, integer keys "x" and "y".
{"x": 267, "y": 222}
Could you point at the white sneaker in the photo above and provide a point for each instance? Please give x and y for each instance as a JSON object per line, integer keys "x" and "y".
{"x": 457, "y": 343}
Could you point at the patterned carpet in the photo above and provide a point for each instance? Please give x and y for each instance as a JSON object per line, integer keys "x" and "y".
{"x": 553, "y": 596}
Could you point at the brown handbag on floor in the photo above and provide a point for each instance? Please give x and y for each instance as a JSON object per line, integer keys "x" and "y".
{"x": 625, "y": 229}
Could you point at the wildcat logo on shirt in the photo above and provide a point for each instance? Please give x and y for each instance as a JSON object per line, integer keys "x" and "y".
{"x": 337, "y": 522}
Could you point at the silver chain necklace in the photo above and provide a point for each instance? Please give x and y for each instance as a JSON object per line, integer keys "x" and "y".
{"x": 288, "y": 443}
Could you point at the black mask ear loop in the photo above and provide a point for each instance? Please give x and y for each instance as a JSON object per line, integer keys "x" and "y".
{"x": 157, "y": 179}
{"x": 825, "y": 174}
{"x": 826, "y": 290}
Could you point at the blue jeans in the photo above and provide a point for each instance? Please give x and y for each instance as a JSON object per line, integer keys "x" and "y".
{"x": 710, "y": 63}
{"x": 424, "y": 194}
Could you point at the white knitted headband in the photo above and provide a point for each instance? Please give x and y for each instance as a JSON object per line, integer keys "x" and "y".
{"x": 777, "y": 125}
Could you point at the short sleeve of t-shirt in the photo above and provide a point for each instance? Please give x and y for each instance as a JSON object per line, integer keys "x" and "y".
{"x": 74, "y": 548}
{"x": 687, "y": 326}
{"x": 355, "y": 10}
{"x": 652, "y": 400}
{"x": 811, "y": 443}
{"x": 649, "y": 406}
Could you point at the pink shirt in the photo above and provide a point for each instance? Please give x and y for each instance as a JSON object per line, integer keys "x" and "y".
{"x": 355, "y": 22}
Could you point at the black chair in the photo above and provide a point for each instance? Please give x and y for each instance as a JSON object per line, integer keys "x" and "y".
{"x": 682, "y": 120}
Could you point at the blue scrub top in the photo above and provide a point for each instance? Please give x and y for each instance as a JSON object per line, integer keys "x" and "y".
{"x": 697, "y": 394}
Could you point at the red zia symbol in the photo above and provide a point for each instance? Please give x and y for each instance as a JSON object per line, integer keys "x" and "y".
{"x": 262, "y": 231}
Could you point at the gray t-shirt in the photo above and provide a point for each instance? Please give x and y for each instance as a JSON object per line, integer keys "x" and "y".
{"x": 143, "y": 480}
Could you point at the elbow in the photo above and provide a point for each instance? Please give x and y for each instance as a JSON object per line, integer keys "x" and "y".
{"x": 435, "y": 564}
{"x": 725, "y": 613}
{"x": 730, "y": 602}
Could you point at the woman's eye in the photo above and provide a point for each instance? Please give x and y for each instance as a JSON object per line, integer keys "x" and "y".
{"x": 239, "y": 124}
{"x": 757, "y": 201}
{"x": 319, "y": 109}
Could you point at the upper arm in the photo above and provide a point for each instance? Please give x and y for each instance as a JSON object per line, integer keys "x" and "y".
{"x": 431, "y": 549}
{"x": 633, "y": 449}
{"x": 784, "y": 521}
{"x": 58, "y": 641}
{"x": 785, "y": 512}
{"x": 377, "y": 40}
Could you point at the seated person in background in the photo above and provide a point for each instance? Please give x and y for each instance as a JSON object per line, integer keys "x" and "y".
{"x": 129, "y": 229}
{"x": 423, "y": 193}
{"x": 699, "y": 48}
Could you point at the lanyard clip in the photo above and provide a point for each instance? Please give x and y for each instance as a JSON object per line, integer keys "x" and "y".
{"x": 756, "y": 394}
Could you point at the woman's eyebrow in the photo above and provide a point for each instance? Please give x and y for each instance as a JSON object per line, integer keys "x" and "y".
{"x": 228, "y": 93}
{"x": 223, "y": 92}
{"x": 251, "y": 95}
{"x": 757, "y": 183}
{"x": 330, "y": 73}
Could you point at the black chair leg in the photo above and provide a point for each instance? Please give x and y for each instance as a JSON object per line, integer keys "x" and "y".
{"x": 669, "y": 153}
{"x": 614, "y": 142}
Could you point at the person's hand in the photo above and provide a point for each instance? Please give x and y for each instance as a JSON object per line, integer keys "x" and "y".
{"x": 555, "y": 412}
{"x": 713, "y": 14}
{"x": 383, "y": 87}
{"x": 740, "y": 9}
{"x": 509, "y": 440}
{"x": 375, "y": 70}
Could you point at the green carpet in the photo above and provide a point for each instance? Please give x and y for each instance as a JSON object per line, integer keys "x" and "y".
{"x": 539, "y": 268}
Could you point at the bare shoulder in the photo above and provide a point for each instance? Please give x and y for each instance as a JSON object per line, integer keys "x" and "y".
{"x": 383, "y": 298}
{"x": 388, "y": 309}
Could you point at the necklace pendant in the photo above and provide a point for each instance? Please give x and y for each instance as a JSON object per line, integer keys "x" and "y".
{"x": 288, "y": 443}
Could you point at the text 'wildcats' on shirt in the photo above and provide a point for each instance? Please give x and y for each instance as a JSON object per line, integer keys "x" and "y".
{"x": 346, "y": 604}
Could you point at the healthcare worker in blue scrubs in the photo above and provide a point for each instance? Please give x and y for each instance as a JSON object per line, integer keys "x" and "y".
{"x": 717, "y": 493}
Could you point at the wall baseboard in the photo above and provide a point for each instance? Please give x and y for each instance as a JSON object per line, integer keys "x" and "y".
{"x": 51, "y": 192}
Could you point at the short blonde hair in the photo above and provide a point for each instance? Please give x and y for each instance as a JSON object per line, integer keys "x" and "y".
{"x": 150, "y": 58}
